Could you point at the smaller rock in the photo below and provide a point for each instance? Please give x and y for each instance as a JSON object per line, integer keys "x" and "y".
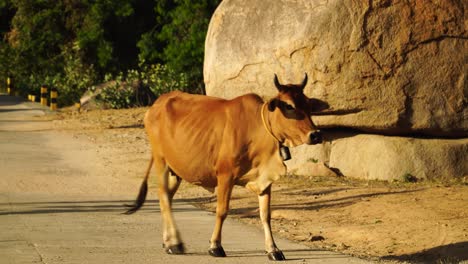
{"x": 313, "y": 238}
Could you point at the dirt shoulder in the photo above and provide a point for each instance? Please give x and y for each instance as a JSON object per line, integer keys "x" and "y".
{"x": 415, "y": 222}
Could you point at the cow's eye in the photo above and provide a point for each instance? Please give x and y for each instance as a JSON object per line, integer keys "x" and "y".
{"x": 289, "y": 107}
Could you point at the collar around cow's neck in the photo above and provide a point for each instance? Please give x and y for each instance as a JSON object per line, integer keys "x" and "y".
{"x": 265, "y": 124}
{"x": 284, "y": 151}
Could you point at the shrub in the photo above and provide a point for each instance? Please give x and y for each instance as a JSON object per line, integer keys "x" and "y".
{"x": 77, "y": 77}
{"x": 118, "y": 93}
{"x": 161, "y": 79}
{"x": 121, "y": 90}
{"x": 408, "y": 177}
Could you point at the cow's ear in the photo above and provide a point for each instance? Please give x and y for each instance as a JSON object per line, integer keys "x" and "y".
{"x": 272, "y": 105}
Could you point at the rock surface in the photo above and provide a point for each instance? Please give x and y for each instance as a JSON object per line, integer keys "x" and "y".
{"x": 377, "y": 157}
{"x": 390, "y": 67}
{"x": 397, "y": 158}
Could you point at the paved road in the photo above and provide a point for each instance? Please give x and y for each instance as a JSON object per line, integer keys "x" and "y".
{"x": 54, "y": 208}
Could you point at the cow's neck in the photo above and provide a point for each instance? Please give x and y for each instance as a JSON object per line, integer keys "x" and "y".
{"x": 284, "y": 151}
{"x": 266, "y": 122}
{"x": 264, "y": 137}
{"x": 254, "y": 138}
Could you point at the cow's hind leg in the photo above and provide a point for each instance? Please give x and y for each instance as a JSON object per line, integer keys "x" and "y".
{"x": 173, "y": 185}
{"x": 167, "y": 187}
{"x": 264, "y": 203}
{"x": 224, "y": 195}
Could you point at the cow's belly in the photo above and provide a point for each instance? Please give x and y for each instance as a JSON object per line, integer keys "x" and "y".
{"x": 194, "y": 172}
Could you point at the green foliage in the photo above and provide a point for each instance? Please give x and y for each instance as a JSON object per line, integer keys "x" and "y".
{"x": 76, "y": 78}
{"x": 162, "y": 79}
{"x": 117, "y": 93}
{"x": 185, "y": 24}
{"x": 100, "y": 18}
{"x": 5, "y": 59}
{"x": 408, "y": 177}
{"x": 71, "y": 45}
{"x": 120, "y": 91}
{"x": 35, "y": 39}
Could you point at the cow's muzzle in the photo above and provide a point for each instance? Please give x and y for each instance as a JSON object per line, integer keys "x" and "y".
{"x": 315, "y": 138}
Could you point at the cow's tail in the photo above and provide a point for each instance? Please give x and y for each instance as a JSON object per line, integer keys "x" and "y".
{"x": 143, "y": 191}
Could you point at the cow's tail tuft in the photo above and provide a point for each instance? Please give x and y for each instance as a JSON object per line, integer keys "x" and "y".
{"x": 143, "y": 191}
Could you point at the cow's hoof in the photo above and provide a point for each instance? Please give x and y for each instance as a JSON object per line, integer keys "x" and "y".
{"x": 176, "y": 249}
{"x": 217, "y": 252}
{"x": 276, "y": 256}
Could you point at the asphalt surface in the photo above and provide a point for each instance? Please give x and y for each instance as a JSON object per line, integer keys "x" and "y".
{"x": 54, "y": 208}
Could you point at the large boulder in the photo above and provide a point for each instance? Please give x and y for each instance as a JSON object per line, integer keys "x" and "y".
{"x": 385, "y": 66}
{"x": 400, "y": 158}
{"x": 377, "y": 157}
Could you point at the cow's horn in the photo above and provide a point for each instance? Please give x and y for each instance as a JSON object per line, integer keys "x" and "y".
{"x": 304, "y": 82}
{"x": 277, "y": 84}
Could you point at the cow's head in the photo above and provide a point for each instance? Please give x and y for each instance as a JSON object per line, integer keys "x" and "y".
{"x": 290, "y": 115}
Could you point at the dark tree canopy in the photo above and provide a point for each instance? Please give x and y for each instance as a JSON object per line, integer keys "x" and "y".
{"x": 76, "y": 44}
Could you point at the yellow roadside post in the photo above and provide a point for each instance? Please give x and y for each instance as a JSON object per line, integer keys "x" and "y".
{"x": 44, "y": 95}
{"x": 53, "y": 99}
{"x": 9, "y": 86}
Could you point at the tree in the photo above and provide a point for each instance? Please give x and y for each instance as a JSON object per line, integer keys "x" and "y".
{"x": 34, "y": 40}
{"x": 75, "y": 43}
{"x": 6, "y": 15}
{"x": 181, "y": 37}
{"x": 47, "y": 35}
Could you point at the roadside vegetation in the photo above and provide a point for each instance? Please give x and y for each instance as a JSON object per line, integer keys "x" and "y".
{"x": 74, "y": 46}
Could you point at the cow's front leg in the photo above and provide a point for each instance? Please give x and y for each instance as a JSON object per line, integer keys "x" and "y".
{"x": 224, "y": 195}
{"x": 265, "y": 215}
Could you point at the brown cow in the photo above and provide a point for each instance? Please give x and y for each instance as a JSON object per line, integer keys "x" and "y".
{"x": 220, "y": 143}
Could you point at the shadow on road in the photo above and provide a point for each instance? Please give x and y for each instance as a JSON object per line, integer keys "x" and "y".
{"x": 57, "y": 207}
{"x": 247, "y": 212}
{"x": 6, "y": 100}
{"x": 24, "y": 121}
{"x": 5, "y": 110}
{"x": 318, "y": 254}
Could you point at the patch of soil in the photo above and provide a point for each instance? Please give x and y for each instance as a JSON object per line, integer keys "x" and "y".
{"x": 416, "y": 222}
